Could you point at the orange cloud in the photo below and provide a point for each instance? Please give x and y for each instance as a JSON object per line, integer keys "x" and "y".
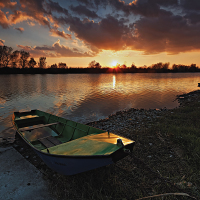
{"x": 18, "y": 17}
{"x": 7, "y": 4}
{"x": 2, "y": 42}
{"x": 31, "y": 24}
{"x": 149, "y": 26}
{"x": 56, "y": 33}
{"x": 64, "y": 51}
{"x": 26, "y": 48}
{"x": 56, "y": 50}
{"x": 3, "y": 20}
{"x": 20, "y": 29}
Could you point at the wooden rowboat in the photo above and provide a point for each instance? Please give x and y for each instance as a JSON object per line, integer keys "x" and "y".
{"x": 69, "y": 147}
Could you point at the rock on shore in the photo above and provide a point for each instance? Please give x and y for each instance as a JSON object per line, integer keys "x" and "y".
{"x": 134, "y": 119}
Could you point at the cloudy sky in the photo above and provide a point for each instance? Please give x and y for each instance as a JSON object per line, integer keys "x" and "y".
{"x": 108, "y": 31}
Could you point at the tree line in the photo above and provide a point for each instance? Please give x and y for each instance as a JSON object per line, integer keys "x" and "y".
{"x": 21, "y": 62}
{"x": 21, "y": 59}
{"x": 158, "y": 67}
{"x": 18, "y": 59}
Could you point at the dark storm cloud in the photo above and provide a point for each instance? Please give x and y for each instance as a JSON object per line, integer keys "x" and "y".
{"x": 194, "y": 18}
{"x": 148, "y": 8}
{"x": 82, "y": 10}
{"x": 191, "y": 9}
{"x": 94, "y": 3}
{"x": 191, "y": 5}
{"x": 8, "y": 4}
{"x": 86, "y": 2}
{"x": 151, "y": 26}
{"x": 55, "y": 6}
{"x": 170, "y": 34}
{"x": 157, "y": 30}
{"x": 164, "y": 2}
{"x": 106, "y": 34}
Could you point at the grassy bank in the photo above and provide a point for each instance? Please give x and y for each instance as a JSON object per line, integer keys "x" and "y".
{"x": 182, "y": 127}
{"x": 166, "y": 157}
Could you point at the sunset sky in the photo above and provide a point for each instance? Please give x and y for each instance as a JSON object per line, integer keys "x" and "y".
{"x": 76, "y": 32}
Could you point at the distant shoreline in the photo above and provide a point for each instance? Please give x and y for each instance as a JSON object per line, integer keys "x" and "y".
{"x": 7, "y": 70}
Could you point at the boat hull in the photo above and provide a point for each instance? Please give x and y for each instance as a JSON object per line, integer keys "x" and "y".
{"x": 70, "y": 165}
{"x": 74, "y": 165}
{"x": 69, "y": 147}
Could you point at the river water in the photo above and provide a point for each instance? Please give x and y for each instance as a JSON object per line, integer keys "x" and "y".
{"x": 89, "y": 97}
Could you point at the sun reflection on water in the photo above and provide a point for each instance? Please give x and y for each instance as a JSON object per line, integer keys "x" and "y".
{"x": 90, "y": 97}
{"x": 114, "y": 81}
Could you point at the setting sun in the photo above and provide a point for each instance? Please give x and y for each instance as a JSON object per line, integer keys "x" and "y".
{"x": 89, "y": 33}
{"x": 114, "y": 63}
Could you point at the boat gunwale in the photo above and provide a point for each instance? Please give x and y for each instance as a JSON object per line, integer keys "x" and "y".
{"x": 68, "y": 156}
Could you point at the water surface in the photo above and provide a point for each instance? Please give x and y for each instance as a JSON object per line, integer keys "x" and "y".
{"x": 89, "y": 97}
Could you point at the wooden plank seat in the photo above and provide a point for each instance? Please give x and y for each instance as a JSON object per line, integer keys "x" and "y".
{"x": 49, "y": 141}
{"x": 38, "y": 126}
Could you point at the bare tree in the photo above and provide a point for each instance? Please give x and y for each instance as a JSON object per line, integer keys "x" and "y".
{"x": 54, "y": 66}
{"x": 5, "y": 53}
{"x": 14, "y": 58}
{"x": 133, "y": 66}
{"x": 42, "y": 62}
{"x": 123, "y": 66}
{"x": 31, "y": 63}
{"x": 97, "y": 65}
{"x": 23, "y": 58}
{"x": 62, "y": 65}
{"x": 165, "y": 66}
{"x": 94, "y": 64}
{"x": 193, "y": 67}
{"x": 174, "y": 67}
{"x": 157, "y": 66}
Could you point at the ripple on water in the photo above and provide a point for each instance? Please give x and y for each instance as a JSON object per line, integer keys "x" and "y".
{"x": 90, "y": 97}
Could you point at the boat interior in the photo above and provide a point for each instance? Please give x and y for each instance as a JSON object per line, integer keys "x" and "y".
{"x": 49, "y": 133}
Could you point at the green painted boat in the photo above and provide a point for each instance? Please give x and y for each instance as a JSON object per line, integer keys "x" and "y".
{"x": 69, "y": 147}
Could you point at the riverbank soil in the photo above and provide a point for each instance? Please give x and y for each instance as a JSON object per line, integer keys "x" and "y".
{"x": 166, "y": 157}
